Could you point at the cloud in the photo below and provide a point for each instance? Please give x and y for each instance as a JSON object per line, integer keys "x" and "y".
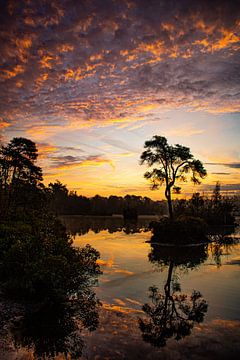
{"x": 68, "y": 161}
{"x": 224, "y": 187}
{"x": 46, "y": 149}
{"x": 114, "y": 62}
{"x": 234, "y": 165}
{"x": 120, "y": 144}
{"x": 184, "y": 132}
{"x": 221, "y": 173}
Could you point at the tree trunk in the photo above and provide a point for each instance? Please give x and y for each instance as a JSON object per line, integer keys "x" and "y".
{"x": 169, "y": 200}
{"x": 167, "y": 286}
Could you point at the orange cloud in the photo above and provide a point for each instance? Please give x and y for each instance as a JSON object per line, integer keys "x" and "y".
{"x": 46, "y": 149}
{"x": 123, "y": 271}
{"x": 3, "y": 124}
{"x": 108, "y": 263}
{"x": 42, "y": 130}
{"x": 65, "y": 48}
{"x": 227, "y": 38}
{"x": 121, "y": 309}
{"x": 8, "y": 74}
{"x": 45, "y": 61}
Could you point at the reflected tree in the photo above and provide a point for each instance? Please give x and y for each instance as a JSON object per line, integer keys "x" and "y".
{"x": 51, "y": 324}
{"x": 51, "y": 330}
{"x": 96, "y": 224}
{"x": 172, "y": 314}
{"x": 221, "y": 245}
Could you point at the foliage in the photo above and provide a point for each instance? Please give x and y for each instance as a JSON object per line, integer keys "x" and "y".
{"x": 184, "y": 229}
{"x": 38, "y": 261}
{"x": 20, "y": 177}
{"x": 174, "y": 163}
{"x": 216, "y": 210}
{"x": 39, "y": 267}
{"x": 17, "y": 162}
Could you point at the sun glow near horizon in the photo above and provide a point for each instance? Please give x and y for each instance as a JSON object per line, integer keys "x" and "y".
{"x": 90, "y": 84}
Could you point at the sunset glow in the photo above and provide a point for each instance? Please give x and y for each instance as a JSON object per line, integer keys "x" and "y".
{"x": 91, "y": 81}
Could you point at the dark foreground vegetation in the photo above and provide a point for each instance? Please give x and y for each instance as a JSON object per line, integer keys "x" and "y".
{"x": 42, "y": 276}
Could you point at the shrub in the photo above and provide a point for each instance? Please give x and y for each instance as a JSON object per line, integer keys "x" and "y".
{"x": 185, "y": 229}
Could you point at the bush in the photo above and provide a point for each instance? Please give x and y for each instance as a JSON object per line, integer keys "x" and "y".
{"x": 38, "y": 261}
{"x": 183, "y": 230}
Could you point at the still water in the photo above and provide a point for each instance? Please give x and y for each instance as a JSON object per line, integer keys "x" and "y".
{"x": 158, "y": 301}
{"x": 155, "y": 302}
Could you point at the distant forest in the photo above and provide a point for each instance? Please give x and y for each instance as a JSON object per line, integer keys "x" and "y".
{"x": 65, "y": 202}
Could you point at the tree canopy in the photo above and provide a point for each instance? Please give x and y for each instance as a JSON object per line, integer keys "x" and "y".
{"x": 174, "y": 163}
{"x": 17, "y": 162}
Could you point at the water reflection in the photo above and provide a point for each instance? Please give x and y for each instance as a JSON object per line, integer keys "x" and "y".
{"x": 220, "y": 246}
{"x": 171, "y": 313}
{"x": 81, "y": 225}
{"x": 53, "y": 326}
{"x": 49, "y": 331}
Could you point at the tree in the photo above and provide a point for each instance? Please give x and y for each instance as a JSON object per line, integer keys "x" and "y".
{"x": 58, "y": 197}
{"x": 17, "y": 162}
{"x": 18, "y": 171}
{"x": 216, "y": 195}
{"x": 174, "y": 163}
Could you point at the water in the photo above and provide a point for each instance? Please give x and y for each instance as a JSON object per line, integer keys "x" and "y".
{"x": 131, "y": 266}
{"x": 156, "y": 301}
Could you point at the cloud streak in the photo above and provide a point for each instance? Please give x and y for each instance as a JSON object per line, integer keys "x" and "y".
{"x": 69, "y": 162}
{"x": 234, "y": 165}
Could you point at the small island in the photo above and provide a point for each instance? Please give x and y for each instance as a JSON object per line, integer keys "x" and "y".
{"x": 189, "y": 222}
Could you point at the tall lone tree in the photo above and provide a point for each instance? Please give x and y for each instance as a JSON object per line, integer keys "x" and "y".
{"x": 173, "y": 163}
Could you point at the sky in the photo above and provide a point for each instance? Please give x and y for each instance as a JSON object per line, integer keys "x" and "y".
{"x": 90, "y": 81}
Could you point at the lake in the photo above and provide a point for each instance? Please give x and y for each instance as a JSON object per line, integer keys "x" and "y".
{"x": 156, "y": 301}
{"x": 174, "y": 323}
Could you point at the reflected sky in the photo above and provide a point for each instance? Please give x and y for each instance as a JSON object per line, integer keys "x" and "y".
{"x": 130, "y": 267}
{"x": 213, "y": 270}
{"x": 128, "y": 273}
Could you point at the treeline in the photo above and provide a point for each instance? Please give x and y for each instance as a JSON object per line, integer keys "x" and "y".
{"x": 214, "y": 210}
{"x": 65, "y": 202}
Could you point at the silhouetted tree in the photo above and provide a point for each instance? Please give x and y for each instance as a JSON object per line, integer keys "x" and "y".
{"x": 174, "y": 163}
{"x": 58, "y": 197}
{"x": 17, "y": 162}
{"x": 216, "y": 196}
{"x": 18, "y": 171}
